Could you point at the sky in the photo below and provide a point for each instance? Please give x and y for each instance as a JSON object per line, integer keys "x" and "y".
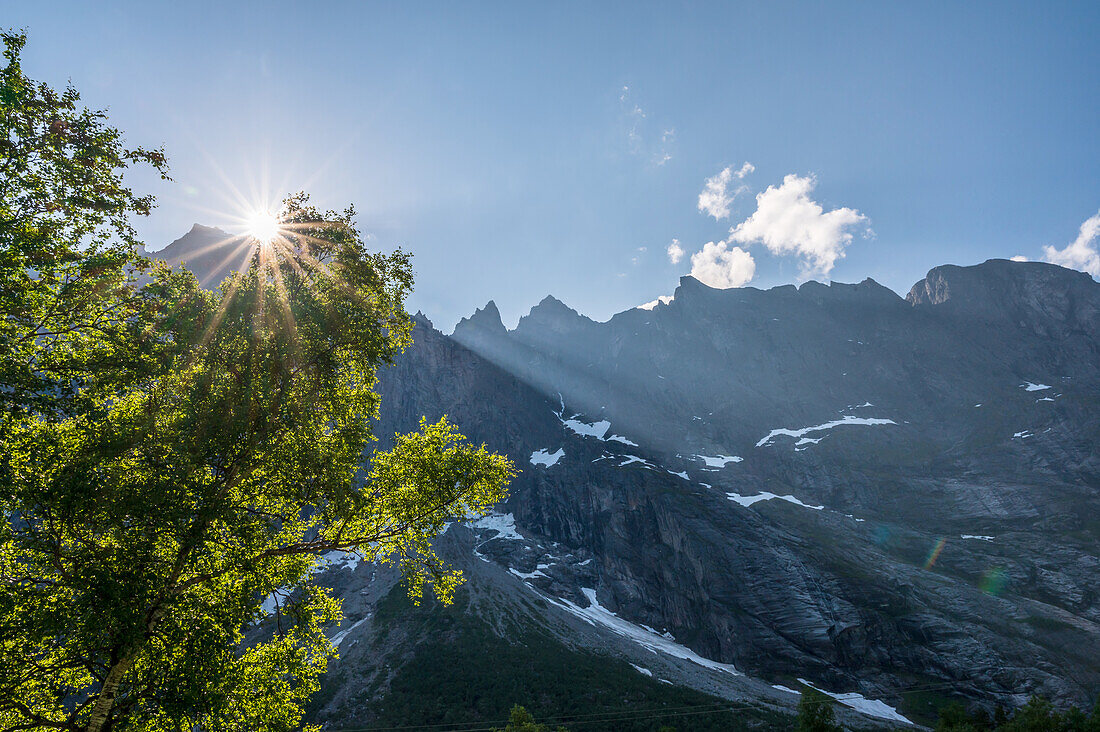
{"x": 520, "y": 149}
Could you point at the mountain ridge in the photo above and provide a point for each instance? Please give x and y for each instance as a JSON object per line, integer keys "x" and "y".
{"x": 828, "y": 482}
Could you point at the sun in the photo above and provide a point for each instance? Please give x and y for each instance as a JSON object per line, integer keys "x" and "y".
{"x": 262, "y": 226}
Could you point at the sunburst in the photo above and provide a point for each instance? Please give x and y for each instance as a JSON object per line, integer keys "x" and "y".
{"x": 262, "y": 225}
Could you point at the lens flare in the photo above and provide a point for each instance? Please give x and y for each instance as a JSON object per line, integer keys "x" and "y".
{"x": 994, "y": 581}
{"x": 935, "y": 553}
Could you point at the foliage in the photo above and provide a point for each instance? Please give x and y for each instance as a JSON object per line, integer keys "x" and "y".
{"x": 815, "y": 712}
{"x": 171, "y": 457}
{"x": 520, "y": 720}
{"x": 1038, "y": 715}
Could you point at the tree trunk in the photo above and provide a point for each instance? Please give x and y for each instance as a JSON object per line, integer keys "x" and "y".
{"x": 101, "y": 712}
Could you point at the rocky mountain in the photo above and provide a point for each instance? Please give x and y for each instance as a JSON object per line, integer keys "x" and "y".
{"x": 210, "y": 253}
{"x": 740, "y": 491}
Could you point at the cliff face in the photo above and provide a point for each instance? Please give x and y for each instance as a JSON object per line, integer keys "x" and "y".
{"x": 951, "y": 439}
{"x": 880, "y": 495}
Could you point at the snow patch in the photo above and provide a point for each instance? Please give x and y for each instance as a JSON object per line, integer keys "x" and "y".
{"x": 596, "y": 429}
{"x": 631, "y": 459}
{"x": 502, "y": 523}
{"x": 339, "y": 638}
{"x": 544, "y": 457}
{"x": 337, "y": 560}
{"x": 597, "y": 614}
{"x": 1022, "y": 435}
{"x": 1028, "y": 386}
{"x": 642, "y": 671}
{"x": 976, "y": 536}
{"x": 527, "y": 575}
{"x": 682, "y": 474}
{"x": 719, "y": 461}
{"x": 747, "y": 501}
{"x": 870, "y": 707}
{"x": 846, "y": 420}
{"x": 784, "y": 688}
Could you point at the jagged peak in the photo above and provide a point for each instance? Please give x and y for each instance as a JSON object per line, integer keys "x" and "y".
{"x": 198, "y": 228}
{"x": 484, "y": 318}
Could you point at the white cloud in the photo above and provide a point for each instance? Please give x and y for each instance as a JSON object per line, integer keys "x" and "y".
{"x": 722, "y": 267}
{"x": 1019, "y": 258}
{"x": 665, "y": 299}
{"x": 675, "y": 251}
{"x": 1082, "y": 254}
{"x": 788, "y": 221}
{"x": 715, "y": 198}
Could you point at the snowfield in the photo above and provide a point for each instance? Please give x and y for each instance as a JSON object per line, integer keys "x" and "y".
{"x": 719, "y": 461}
{"x": 747, "y": 501}
{"x": 847, "y": 419}
{"x": 1028, "y": 386}
{"x": 544, "y": 457}
{"x": 870, "y": 707}
{"x": 596, "y": 614}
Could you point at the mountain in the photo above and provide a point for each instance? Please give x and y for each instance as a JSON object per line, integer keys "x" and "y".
{"x": 893, "y": 499}
{"x": 210, "y": 253}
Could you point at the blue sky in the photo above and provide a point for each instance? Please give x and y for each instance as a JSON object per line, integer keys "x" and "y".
{"x": 519, "y": 149}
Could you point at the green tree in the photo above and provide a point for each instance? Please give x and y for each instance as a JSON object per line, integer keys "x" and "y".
{"x": 955, "y": 718}
{"x": 520, "y": 720}
{"x": 815, "y": 712}
{"x": 170, "y": 457}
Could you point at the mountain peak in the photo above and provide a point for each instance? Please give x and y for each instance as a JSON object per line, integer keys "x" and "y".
{"x": 483, "y": 319}
{"x": 1034, "y": 295}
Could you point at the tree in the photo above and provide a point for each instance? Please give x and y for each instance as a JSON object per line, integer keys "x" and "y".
{"x": 815, "y": 712}
{"x": 172, "y": 457}
{"x": 955, "y": 718}
{"x": 520, "y": 720}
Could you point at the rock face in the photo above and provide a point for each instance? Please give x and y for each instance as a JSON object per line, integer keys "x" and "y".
{"x": 210, "y": 253}
{"x": 971, "y": 409}
{"x": 896, "y": 497}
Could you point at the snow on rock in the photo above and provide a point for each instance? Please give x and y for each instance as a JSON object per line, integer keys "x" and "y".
{"x": 643, "y": 671}
{"x": 339, "y": 638}
{"x": 747, "y": 501}
{"x": 337, "y": 560}
{"x": 631, "y": 459}
{"x": 584, "y": 429}
{"x": 503, "y": 523}
{"x": 544, "y": 457}
{"x": 596, "y": 614}
{"x": 719, "y": 461}
{"x": 870, "y": 707}
{"x": 1028, "y": 386}
{"x": 527, "y": 575}
{"x": 847, "y": 419}
{"x": 596, "y": 429}
{"x": 976, "y": 536}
